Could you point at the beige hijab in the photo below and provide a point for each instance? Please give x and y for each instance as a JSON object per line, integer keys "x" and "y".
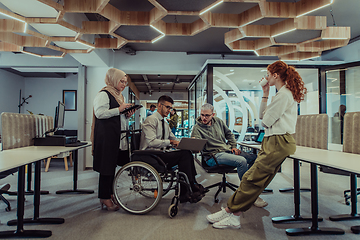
{"x": 112, "y": 79}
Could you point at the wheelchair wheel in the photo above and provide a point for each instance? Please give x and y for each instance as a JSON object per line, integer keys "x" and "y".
{"x": 173, "y": 210}
{"x": 137, "y": 187}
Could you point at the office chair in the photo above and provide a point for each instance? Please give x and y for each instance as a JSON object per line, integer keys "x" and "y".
{"x": 220, "y": 169}
{"x": 4, "y": 189}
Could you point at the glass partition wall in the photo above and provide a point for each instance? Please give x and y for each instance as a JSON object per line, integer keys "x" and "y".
{"x": 235, "y": 92}
{"x": 342, "y": 95}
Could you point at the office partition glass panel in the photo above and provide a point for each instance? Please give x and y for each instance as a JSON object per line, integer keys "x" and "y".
{"x": 352, "y": 89}
{"x": 237, "y": 97}
{"x": 343, "y": 95}
{"x": 201, "y": 93}
{"x": 189, "y": 123}
{"x": 310, "y": 105}
{"x": 333, "y": 102}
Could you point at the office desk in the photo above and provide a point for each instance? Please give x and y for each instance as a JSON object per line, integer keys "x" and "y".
{"x": 63, "y": 149}
{"x": 19, "y": 158}
{"x": 327, "y": 158}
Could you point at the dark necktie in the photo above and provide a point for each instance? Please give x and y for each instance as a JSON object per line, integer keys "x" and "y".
{"x": 163, "y": 129}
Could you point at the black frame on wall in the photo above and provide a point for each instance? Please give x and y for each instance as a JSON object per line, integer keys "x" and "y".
{"x": 70, "y": 100}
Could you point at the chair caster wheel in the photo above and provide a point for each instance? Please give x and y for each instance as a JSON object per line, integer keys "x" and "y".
{"x": 216, "y": 200}
{"x": 8, "y": 209}
{"x": 173, "y": 210}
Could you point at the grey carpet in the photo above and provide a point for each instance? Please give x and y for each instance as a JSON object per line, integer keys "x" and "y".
{"x": 85, "y": 220}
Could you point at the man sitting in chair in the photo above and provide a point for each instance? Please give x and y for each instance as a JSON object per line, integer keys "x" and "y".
{"x": 221, "y": 142}
{"x": 156, "y": 135}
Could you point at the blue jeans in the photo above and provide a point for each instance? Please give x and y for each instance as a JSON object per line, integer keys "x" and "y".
{"x": 242, "y": 162}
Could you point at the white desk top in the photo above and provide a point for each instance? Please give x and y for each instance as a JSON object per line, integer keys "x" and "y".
{"x": 17, "y": 157}
{"x": 340, "y": 160}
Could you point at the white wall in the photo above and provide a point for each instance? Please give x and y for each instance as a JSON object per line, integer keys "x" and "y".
{"x": 9, "y": 92}
{"x": 46, "y": 92}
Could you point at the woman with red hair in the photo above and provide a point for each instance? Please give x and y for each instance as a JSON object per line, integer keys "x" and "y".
{"x": 279, "y": 120}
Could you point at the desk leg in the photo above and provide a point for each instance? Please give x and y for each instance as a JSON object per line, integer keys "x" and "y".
{"x": 20, "y": 232}
{"x": 75, "y": 178}
{"x": 29, "y": 191}
{"x": 36, "y": 218}
{"x": 296, "y": 216}
{"x": 314, "y": 229}
{"x": 353, "y": 214}
{"x": 297, "y": 163}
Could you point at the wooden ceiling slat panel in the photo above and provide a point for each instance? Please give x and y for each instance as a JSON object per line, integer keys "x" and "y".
{"x": 178, "y": 29}
{"x": 278, "y": 9}
{"x": 233, "y": 35}
{"x": 11, "y": 25}
{"x": 110, "y": 43}
{"x": 95, "y": 27}
{"x": 81, "y": 6}
{"x": 198, "y": 26}
{"x": 8, "y": 47}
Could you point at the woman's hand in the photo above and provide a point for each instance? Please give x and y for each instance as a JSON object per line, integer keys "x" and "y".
{"x": 128, "y": 114}
{"x": 124, "y": 106}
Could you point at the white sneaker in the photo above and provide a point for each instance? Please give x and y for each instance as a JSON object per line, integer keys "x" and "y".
{"x": 230, "y": 222}
{"x": 218, "y": 216}
{"x": 260, "y": 203}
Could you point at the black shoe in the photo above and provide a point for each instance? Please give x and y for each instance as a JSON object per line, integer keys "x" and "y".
{"x": 194, "y": 198}
{"x": 200, "y": 188}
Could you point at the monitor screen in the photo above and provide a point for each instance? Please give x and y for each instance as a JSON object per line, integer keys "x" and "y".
{"x": 59, "y": 116}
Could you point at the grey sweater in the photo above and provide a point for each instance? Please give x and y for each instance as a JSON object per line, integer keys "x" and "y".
{"x": 219, "y": 136}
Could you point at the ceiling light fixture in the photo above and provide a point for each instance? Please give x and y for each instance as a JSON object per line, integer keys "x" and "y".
{"x": 309, "y": 58}
{"x": 334, "y": 38}
{"x": 316, "y": 9}
{"x": 158, "y": 38}
{"x": 157, "y": 29}
{"x": 30, "y": 53}
{"x": 284, "y": 32}
{"x": 210, "y": 7}
{"x": 246, "y": 50}
{"x": 18, "y": 19}
{"x": 251, "y": 22}
{"x": 86, "y": 44}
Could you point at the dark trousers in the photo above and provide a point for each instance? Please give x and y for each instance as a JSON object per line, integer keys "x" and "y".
{"x": 106, "y": 181}
{"x": 185, "y": 161}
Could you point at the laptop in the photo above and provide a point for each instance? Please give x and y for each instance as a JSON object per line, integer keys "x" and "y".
{"x": 258, "y": 139}
{"x": 193, "y": 144}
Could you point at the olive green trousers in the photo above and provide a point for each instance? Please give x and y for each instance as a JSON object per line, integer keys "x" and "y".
{"x": 274, "y": 150}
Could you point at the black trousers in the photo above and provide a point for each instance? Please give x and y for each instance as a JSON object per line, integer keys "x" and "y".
{"x": 185, "y": 161}
{"x": 106, "y": 181}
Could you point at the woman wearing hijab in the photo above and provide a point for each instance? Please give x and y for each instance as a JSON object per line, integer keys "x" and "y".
{"x": 110, "y": 147}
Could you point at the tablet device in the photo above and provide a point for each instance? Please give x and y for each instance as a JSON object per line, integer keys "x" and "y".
{"x": 136, "y": 107}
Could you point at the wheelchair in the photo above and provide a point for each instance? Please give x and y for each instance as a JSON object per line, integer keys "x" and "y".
{"x": 140, "y": 184}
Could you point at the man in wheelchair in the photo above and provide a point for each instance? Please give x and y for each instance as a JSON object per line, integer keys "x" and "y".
{"x": 156, "y": 135}
{"x": 221, "y": 144}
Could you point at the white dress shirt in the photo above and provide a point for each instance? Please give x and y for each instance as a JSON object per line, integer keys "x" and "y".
{"x": 152, "y": 133}
{"x": 102, "y": 111}
{"x": 279, "y": 117}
